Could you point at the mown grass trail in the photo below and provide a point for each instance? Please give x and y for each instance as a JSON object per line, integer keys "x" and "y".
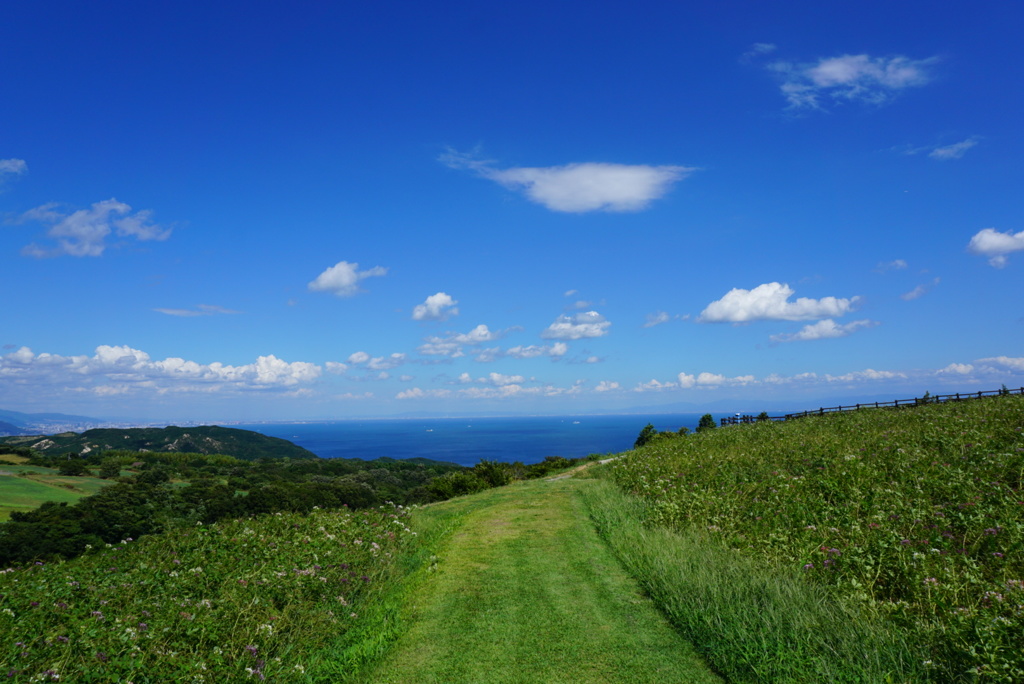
{"x": 525, "y": 591}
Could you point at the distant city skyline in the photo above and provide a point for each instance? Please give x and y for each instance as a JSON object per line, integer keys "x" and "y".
{"x": 274, "y": 212}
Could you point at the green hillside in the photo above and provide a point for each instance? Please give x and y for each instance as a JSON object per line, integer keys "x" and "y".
{"x": 207, "y": 439}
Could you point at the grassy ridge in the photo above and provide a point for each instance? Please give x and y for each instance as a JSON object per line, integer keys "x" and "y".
{"x": 914, "y": 517}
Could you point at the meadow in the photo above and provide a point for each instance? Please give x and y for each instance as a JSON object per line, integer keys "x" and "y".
{"x": 25, "y": 487}
{"x": 882, "y": 545}
{"x": 277, "y": 598}
{"x": 910, "y": 521}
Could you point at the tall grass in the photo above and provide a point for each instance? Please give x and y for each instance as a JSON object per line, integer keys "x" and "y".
{"x": 752, "y": 623}
{"x": 913, "y": 517}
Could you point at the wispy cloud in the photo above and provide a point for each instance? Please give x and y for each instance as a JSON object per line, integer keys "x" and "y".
{"x": 995, "y": 245}
{"x": 770, "y": 302}
{"x": 656, "y": 318}
{"x": 849, "y": 78}
{"x": 758, "y": 50}
{"x": 343, "y": 279}
{"x": 945, "y": 152}
{"x": 201, "y": 310}
{"x": 11, "y": 167}
{"x": 894, "y": 265}
{"x": 85, "y": 232}
{"x": 919, "y": 291}
{"x": 580, "y": 187}
{"x": 437, "y": 307}
{"x": 826, "y": 329}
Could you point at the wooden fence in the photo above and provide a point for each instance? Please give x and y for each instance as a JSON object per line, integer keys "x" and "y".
{"x": 897, "y": 403}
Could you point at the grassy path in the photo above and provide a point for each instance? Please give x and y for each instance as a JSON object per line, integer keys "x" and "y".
{"x": 525, "y": 591}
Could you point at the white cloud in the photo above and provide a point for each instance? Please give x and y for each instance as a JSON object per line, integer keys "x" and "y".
{"x": 954, "y": 151}
{"x": 406, "y": 378}
{"x": 11, "y": 167}
{"x": 1005, "y": 361}
{"x": 821, "y": 330}
{"x": 498, "y": 379}
{"x": 376, "y": 363}
{"x": 85, "y": 232}
{"x": 656, "y": 318}
{"x": 607, "y": 386}
{"x": 358, "y": 357}
{"x": 201, "y": 310}
{"x": 758, "y": 50}
{"x": 919, "y": 291}
{"x": 770, "y": 301}
{"x": 125, "y": 370}
{"x": 956, "y": 369}
{"x": 686, "y": 381}
{"x": 555, "y": 350}
{"x": 867, "y": 374}
{"x": 995, "y": 245}
{"x": 343, "y": 278}
{"x": 336, "y": 367}
{"x": 578, "y": 326}
{"x": 451, "y": 345}
{"x": 437, "y": 307}
{"x": 582, "y": 187}
{"x": 874, "y": 80}
{"x": 654, "y": 386}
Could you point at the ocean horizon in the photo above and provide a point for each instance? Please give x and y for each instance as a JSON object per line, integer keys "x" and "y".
{"x": 467, "y": 441}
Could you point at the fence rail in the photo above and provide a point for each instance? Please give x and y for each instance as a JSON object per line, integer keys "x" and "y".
{"x": 896, "y": 403}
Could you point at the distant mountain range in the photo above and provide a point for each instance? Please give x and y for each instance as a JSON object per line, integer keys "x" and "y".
{"x": 207, "y": 439}
{"x": 19, "y": 418}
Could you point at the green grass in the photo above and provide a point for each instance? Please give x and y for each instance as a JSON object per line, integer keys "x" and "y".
{"x": 523, "y": 590}
{"x": 23, "y": 488}
{"x": 753, "y": 623}
{"x": 229, "y": 602}
{"x": 913, "y": 518}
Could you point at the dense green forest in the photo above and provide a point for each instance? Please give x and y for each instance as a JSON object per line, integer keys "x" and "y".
{"x": 205, "y": 439}
{"x": 153, "y": 492}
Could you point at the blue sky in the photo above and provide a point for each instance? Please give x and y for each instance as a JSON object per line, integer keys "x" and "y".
{"x": 268, "y": 210}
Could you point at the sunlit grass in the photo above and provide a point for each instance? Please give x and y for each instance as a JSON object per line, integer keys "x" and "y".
{"x": 259, "y": 598}
{"x": 916, "y": 516}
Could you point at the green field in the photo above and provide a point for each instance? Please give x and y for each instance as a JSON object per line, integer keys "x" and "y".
{"x": 23, "y": 488}
{"x": 912, "y": 519}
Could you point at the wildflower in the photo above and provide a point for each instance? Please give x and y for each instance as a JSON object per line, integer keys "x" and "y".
{"x": 930, "y": 581}
{"x": 809, "y": 566}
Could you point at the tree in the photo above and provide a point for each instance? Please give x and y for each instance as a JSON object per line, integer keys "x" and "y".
{"x": 763, "y": 416}
{"x": 73, "y": 466}
{"x": 645, "y": 436}
{"x": 707, "y": 422}
{"x": 110, "y": 468}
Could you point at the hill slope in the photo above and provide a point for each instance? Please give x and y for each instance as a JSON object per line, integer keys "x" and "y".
{"x": 207, "y": 439}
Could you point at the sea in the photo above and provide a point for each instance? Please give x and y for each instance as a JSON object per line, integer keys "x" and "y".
{"x": 467, "y": 441}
